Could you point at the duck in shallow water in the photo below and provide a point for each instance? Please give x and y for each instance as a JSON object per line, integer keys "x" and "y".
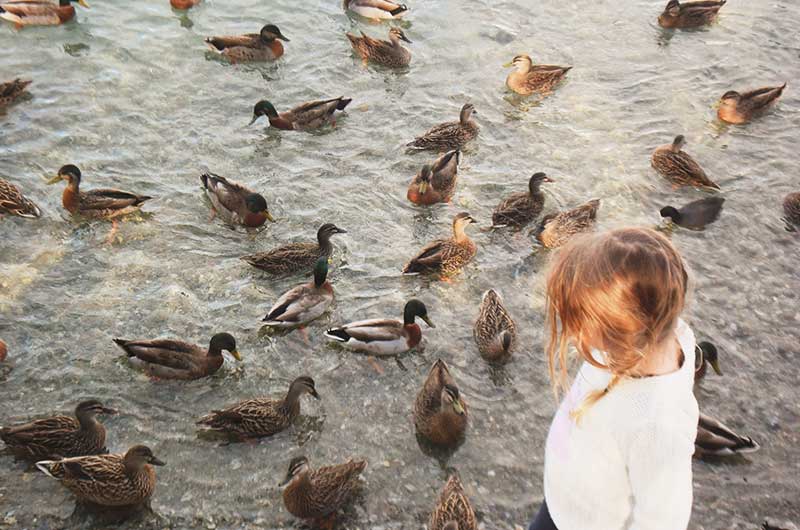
{"x": 528, "y": 78}
{"x": 38, "y": 12}
{"x": 494, "y": 331}
{"x": 13, "y": 202}
{"x": 10, "y": 91}
{"x": 519, "y": 209}
{"x": 556, "y": 229}
{"x": 304, "y": 303}
{"x": 440, "y": 412}
{"x": 689, "y": 14}
{"x": 376, "y": 9}
{"x": 250, "y": 47}
{"x": 235, "y": 203}
{"x": 435, "y": 182}
{"x": 296, "y": 257}
{"x": 449, "y": 135}
{"x": 445, "y": 256}
{"x": 304, "y": 117}
{"x": 385, "y": 53}
{"x": 678, "y": 166}
{"x": 696, "y": 215}
{"x": 741, "y": 107}
{"x": 453, "y": 509}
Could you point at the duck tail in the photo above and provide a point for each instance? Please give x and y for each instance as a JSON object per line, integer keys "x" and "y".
{"x": 213, "y": 45}
{"x": 122, "y": 343}
{"x": 45, "y": 467}
{"x": 352, "y": 38}
{"x": 337, "y": 334}
{"x": 142, "y": 198}
{"x": 11, "y": 17}
{"x": 343, "y": 102}
{"x": 402, "y": 8}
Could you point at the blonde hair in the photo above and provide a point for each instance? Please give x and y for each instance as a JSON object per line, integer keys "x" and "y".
{"x": 620, "y": 292}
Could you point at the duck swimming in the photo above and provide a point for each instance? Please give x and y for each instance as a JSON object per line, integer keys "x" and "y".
{"x": 304, "y": 303}
{"x": 689, "y": 14}
{"x": 385, "y": 53}
{"x": 440, "y": 412}
{"x": 696, "y": 215}
{"x": 451, "y": 134}
{"x": 304, "y": 117}
{"x": 38, "y": 12}
{"x": 741, "y": 107}
{"x": 445, "y": 256}
{"x": 435, "y": 182}
{"x": 235, "y": 203}
{"x": 13, "y": 202}
{"x": 678, "y": 166}
{"x": 556, "y": 229}
{"x": 251, "y": 47}
{"x": 296, "y": 257}
{"x": 519, "y": 209}
{"x": 528, "y": 78}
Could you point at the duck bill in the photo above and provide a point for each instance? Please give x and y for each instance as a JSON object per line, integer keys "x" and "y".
{"x": 53, "y": 180}
{"x": 428, "y": 321}
{"x": 109, "y": 411}
{"x": 283, "y": 38}
{"x": 255, "y": 119}
{"x": 156, "y": 462}
{"x": 715, "y": 366}
{"x": 269, "y": 216}
{"x": 423, "y": 187}
{"x": 84, "y": 3}
{"x": 458, "y": 407}
{"x": 548, "y": 179}
{"x": 508, "y": 65}
{"x": 315, "y": 395}
{"x": 236, "y": 355}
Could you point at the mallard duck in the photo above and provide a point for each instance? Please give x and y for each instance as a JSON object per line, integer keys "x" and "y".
{"x": 705, "y": 353}
{"x": 453, "y": 508}
{"x": 305, "y": 117}
{"x": 528, "y": 78}
{"x": 60, "y": 436}
{"x": 791, "y": 208}
{"x": 556, "y": 229}
{"x": 38, "y": 12}
{"x": 695, "y": 215}
{"x": 716, "y": 439}
{"x": 172, "y": 359}
{"x": 251, "y": 47}
{"x": 183, "y": 4}
{"x": 386, "y": 53}
{"x": 737, "y": 108}
{"x": 440, "y": 412}
{"x": 451, "y": 134}
{"x": 260, "y": 417}
{"x": 445, "y": 256}
{"x": 384, "y": 337}
{"x": 494, "y": 330}
{"x": 11, "y": 90}
{"x": 519, "y": 209}
{"x": 317, "y": 494}
{"x": 678, "y": 166}
{"x": 377, "y": 9}
{"x": 235, "y": 203}
{"x": 13, "y": 202}
{"x": 304, "y": 303}
{"x": 689, "y": 14}
{"x": 436, "y": 182}
{"x": 296, "y": 256}
{"x": 108, "y": 480}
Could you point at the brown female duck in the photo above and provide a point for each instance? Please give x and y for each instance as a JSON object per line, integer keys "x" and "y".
{"x": 317, "y": 494}
{"x": 304, "y": 117}
{"x": 251, "y": 47}
{"x": 296, "y": 257}
{"x": 689, "y": 14}
{"x": 38, "y": 12}
{"x": 440, "y": 412}
{"x": 677, "y": 166}
{"x": 235, "y": 203}
{"x": 385, "y": 53}
{"x": 495, "y": 331}
{"x": 445, "y": 256}
{"x": 10, "y": 91}
{"x": 556, "y": 229}
{"x": 13, "y": 202}
{"x": 256, "y": 418}
{"x": 172, "y": 359}
{"x": 741, "y": 107}
{"x": 717, "y": 439}
{"x": 519, "y": 209}
{"x": 60, "y": 436}
{"x": 436, "y": 182}
{"x": 453, "y": 511}
{"x": 108, "y": 480}
{"x": 791, "y": 208}
{"x": 528, "y": 78}
{"x": 451, "y": 134}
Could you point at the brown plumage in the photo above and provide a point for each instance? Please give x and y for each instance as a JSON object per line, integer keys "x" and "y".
{"x": 235, "y": 203}
{"x": 320, "y": 493}
{"x": 677, "y": 166}
{"x": 737, "y": 108}
{"x": 519, "y": 209}
{"x": 386, "y": 53}
{"x": 97, "y": 203}
{"x": 296, "y": 257}
{"x": 10, "y": 91}
{"x": 13, "y": 202}
{"x": 38, "y": 12}
{"x": 436, "y": 182}
{"x": 451, "y": 134}
{"x": 59, "y": 436}
{"x": 528, "y": 78}
{"x": 445, "y": 256}
{"x": 251, "y": 47}
{"x": 108, "y": 480}
{"x": 453, "y": 506}
{"x": 494, "y": 331}
{"x": 717, "y": 439}
{"x": 256, "y": 418}
{"x": 791, "y": 208}
{"x": 557, "y": 229}
{"x": 689, "y": 14}
{"x": 440, "y": 412}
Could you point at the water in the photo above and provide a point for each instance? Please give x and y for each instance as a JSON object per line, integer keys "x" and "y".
{"x": 129, "y": 95}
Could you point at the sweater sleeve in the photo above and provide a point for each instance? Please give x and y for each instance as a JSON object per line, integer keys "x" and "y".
{"x": 660, "y": 474}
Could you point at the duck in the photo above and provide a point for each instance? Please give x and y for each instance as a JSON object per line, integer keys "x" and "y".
{"x": 436, "y": 182}
{"x": 519, "y": 209}
{"x": 10, "y": 91}
{"x": 556, "y": 229}
{"x": 235, "y": 203}
{"x": 494, "y": 331}
{"x": 60, "y": 436}
{"x": 173, "y": 359}
{"x": 260, "y": 417}
{"x": 250, "y": 47}
{"x": 440, "y": 411}
{"x": 385, "y": 53}
{"x": 791, "y": 208}
{"x": 696, "y": 215}
{"x": 449, "y": 135}
{"x": 107, "y": 480}
{"x": 376, "y": 9}
{"x": 315, "y": 495}
{"x": 13, "y": 202}
{"x": 304, "y": 117}
{"x": 677, "y": 166}
{"x": 689, "y": 14}
{"x": 39, "y": 12}
{"x": 528, "y": 78}
{"x": 445, "y": 256}
{"x": 741, "y": 107}
{"x": 296, "y": 257}
{"x": 717, "y": 439}
{"x": 183, "y": 5}
{"x": 304, "y": 303}
{"x": 453, "y": 511}
{"x": 384, "y": 337}
{"x": 705, "y": 354}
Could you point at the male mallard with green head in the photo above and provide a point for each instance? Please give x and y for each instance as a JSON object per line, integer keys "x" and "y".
{"x": 304, "y": 117}
{"x": 304, "y": 303}
{"x": 235, "y": 203}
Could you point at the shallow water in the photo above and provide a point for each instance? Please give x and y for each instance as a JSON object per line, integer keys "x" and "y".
{"x": 128, "y": 93}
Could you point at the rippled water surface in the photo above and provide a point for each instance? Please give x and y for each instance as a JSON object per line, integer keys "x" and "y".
{"x": 128, "y": 93}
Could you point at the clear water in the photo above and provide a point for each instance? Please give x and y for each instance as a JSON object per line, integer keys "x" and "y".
{"x": 128, "y": 94}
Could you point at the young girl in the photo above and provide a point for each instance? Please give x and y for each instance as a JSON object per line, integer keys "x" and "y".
{"x": 619, "y": 450}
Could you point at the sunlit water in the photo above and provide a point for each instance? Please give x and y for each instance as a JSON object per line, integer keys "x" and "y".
{"x": 129, "y": 94}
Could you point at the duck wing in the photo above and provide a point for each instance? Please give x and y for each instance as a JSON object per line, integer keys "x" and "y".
{"x": 430, "y": 257}
{"x": 225, "y": 194}
{"x": 368, "y": 331}
{"x": 109, "y": 199}
{"x": 170, "y": 353}
{"x": 219, "y": 43}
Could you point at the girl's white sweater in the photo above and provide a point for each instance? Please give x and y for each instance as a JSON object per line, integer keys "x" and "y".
{"x": 627, "y": 465}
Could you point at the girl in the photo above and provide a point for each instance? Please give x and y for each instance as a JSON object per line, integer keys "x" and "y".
{"x": 619, "y": 451}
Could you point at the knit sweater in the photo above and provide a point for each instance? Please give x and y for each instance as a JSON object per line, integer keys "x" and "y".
{"x": 627, "y": 464}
